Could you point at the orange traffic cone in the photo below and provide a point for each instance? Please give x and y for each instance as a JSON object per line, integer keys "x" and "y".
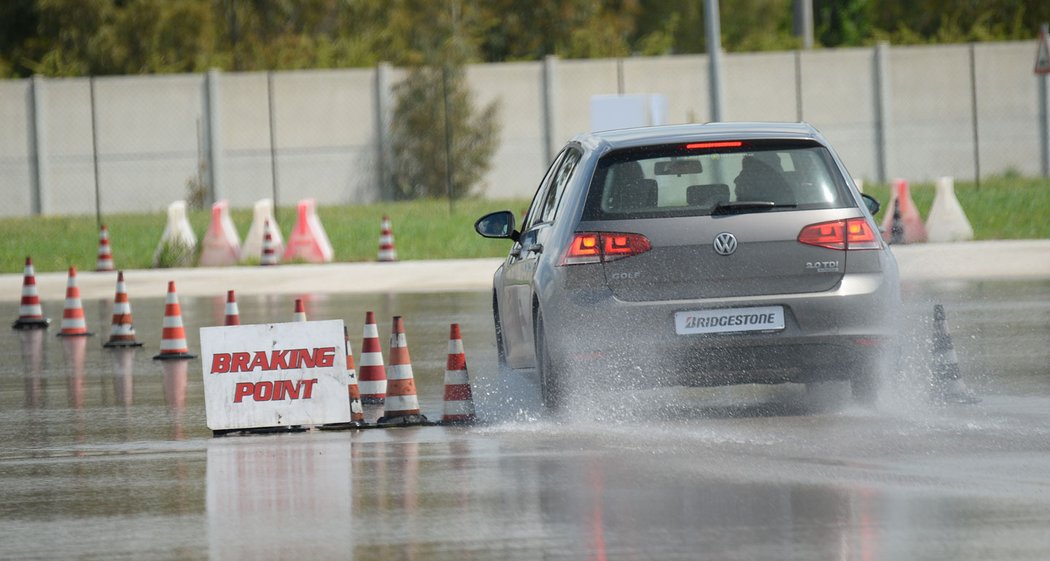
{"x": 233, "y": 315}
{"x": 173, "y": 338}
{"x": 105, "y": 253}
{"x": 308, "y": 240}
{"x": 30, "y": 312}
{"x": 373, "y": 373}
{"x": 357, "y": 412}
{"x": 402, "y": 405}
{"x": 909, "y": 223}
{"x": 222, "y": 246}
{"x": 122, "y": 332}
{"x": 459, "y": 401}
{"x": 386, "y": 242}
{"x": 300, "y": 310}
{"x": 269, "y": 248}
{"x": 73, "y": 323}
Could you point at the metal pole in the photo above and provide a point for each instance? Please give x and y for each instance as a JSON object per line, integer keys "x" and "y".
{"x": 448, "y": 137}
{"x": 39, "y": 195}
{"x": 273, "y": 137}
{"x": 549, "y": 140}
{"x": 798, "y": 85}
{"x": 94, "y": 153}
{"x": 882, "y": 111}
{"x": 804, "y": 22}
{"x": 1044, "y": 115}
{"x": 973, "y": 111}
{"x": 713, "y": 26}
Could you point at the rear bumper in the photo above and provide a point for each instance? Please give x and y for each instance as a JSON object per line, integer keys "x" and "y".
{"x": 827, "y": 335}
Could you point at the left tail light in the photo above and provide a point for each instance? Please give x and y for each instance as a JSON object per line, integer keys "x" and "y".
{"x": 599, "y": 247}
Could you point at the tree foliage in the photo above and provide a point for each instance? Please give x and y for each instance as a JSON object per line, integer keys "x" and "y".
{"x": 79, "y": 37}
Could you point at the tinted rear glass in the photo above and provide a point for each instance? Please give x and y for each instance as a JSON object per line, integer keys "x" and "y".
{"x": 673, "y": 180}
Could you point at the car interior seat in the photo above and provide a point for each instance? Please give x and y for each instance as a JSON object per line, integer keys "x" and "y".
{"x": 758, "y": 181}
{"x": 708, "y": 195}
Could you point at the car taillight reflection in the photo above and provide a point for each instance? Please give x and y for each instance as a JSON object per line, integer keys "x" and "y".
{"x": 596, "y": 247}
{"x": 854, "y": 233}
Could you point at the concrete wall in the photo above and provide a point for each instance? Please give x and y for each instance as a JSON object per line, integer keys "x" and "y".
{"x": 155, "y": 131}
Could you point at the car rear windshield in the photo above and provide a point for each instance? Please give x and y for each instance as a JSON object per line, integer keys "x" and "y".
{"x": 704, "y": 177}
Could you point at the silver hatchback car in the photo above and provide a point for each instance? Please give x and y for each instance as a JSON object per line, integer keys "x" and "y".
{"x": 701, "y": 255}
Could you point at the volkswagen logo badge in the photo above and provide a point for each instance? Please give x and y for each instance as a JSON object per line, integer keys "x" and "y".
{"x": 725, "y": 243}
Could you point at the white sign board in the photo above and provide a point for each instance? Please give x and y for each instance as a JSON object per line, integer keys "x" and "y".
{"x": 610, "y": 112}
{"x": 272, "y": 375}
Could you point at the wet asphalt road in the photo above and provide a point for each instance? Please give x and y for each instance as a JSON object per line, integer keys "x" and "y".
{"x": 106, "y": 455}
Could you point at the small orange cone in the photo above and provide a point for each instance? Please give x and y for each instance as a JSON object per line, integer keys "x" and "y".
{"x": 308, "y": 240}
{"x": 105, "y": 253}
{"x": 908, "y": 222}
{"x": 402, "y": 405}
{"x": 73, "y": 323}
{"x": 222, "y": 246}
{"x": 233, "y": 315}
{"x": 30, "y": 312}
{"x": 269, "y": 248}
{"x": 122, "y": 332}
{"x": 373, "y": 373}
{"x": 387, "y": 252}
{"x": 300, "y": 310}
{"x": 173, "y": 338}
{"x": 459, "y": 400}
{"x": 948, "y": 385}
{"x": 253, "y": 240}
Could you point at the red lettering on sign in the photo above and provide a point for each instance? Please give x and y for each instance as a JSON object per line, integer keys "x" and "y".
{"x": 278, "y": 390}
{"x": 289, "y": 359}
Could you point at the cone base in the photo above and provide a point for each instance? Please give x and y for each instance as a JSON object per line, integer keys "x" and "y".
{"x": 81, "y": 334}
{"x": 459, "y": 420}
{"x": 27, "y": 324}
{"x": 259, "y": 430}
{"x": 121, "y": 343}
{"x": 403, "y": 421}
{"x": 345, "y": 426}
{"x": 173, "y": 356}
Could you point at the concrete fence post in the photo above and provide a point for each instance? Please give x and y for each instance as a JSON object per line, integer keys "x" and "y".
{"x": 713, "y": 27}
{"x": 383, "y": 111}
{"x": 882, "y": 114}
{"x": 38, "y": 131}
{"x": 213, "y": 115}
{"x": 548, "y": 96}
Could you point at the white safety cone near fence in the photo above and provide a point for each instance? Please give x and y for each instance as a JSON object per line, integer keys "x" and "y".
{"x": 222, "y": 245}
{"x": 947, "y": 221}
{"x": 178, "y": 243}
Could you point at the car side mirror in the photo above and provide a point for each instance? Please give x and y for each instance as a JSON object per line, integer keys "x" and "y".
{"x": 872, "y": 204}
{"x": 497, "y": 225}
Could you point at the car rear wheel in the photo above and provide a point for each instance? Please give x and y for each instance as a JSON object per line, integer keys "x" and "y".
{"x": 551, "y": 385}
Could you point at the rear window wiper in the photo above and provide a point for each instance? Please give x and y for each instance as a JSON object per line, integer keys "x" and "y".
{"x": 741, "y": 207}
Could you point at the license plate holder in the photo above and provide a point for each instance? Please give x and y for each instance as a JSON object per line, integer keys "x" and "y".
{"x": 729, "y": 320}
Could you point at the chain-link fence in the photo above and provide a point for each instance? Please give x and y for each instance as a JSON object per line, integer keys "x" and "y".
{"x": 132, "y": 144}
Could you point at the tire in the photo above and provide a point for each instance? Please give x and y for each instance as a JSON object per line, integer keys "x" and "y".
{"x": 551, "y": 385}
{"x": 864, "y": 385}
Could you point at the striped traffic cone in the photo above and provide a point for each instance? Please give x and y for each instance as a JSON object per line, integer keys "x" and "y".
{"x": 948, "y": 386}
{"x": 357, "y": 412}
{"x": 30, "y": 312}
{"x": 459, "y": 401}
{"x": 269, "y": 248}
{"x": 73, "y": 323}
{"x": 402, "y": 405}
{"x": 373, "y": 374}
{"x": 122, "y": 331}
{"x": 173, "y": 339}
{"x": 105, "y": 253}
{"x": 300, "y": 310}
{"x": 233, "y": 315}
{"x": 386, "y": 242}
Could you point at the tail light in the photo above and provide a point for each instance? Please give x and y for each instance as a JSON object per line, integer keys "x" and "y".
{"x": 598, "y": 247}
{"x": 854, "y": 233}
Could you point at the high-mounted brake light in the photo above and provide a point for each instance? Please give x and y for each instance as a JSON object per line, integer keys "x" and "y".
{"x": 708, "y": 145}
{"x": 596, "y": 247}
{"x": 854, "y": 233}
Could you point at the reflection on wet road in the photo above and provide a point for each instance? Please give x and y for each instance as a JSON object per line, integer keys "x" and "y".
{"x": 105, "y": 454}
